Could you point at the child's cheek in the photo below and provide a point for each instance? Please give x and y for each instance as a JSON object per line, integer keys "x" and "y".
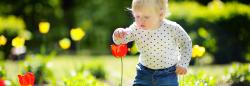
{"x": 138, "y": 23}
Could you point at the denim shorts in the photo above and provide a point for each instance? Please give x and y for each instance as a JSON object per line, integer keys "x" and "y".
{"x": 160, "y": 77}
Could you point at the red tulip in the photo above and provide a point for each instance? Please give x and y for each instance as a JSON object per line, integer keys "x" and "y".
{"x": 2, "y": 82}
{"x": 119, "y": 51}
{"x": 27, "y": 80}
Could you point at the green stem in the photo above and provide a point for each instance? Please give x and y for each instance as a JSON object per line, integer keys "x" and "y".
{"x": 78, "y": 45}
{"x": 43, "y": 47}
{"x": 182, "y": 80}
{"x": 121, "y": 71}
{"x": 197, "y": 61}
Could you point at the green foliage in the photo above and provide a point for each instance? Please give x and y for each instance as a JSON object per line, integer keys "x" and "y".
{"x": 12, "y": 25}
{"x": 95, "y": 68}
{"x": 66, "y": 14}
{"x": 88, "y": 74}
{"x": 235, "y": 75}
{"x": 197, "y": 79}
{"x": 2, "y": 72}
{"x": 43, "y": 74}
{"x": 82, "y": 79}
{"x": 3, "y": 75}
{"x": 111, "y": 14}
{"x": 215, "y": 11}
{"x": 239, "y": 74}
{"x": 220, "y": 27}
{"x": 40, "y": 66}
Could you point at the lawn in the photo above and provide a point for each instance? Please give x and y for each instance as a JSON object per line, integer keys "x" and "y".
{"x": 64, "y": 65}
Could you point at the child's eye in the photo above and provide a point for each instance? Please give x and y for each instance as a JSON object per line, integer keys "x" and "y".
{"x": 146, "y": 17}
{"x": 137, "y": 16}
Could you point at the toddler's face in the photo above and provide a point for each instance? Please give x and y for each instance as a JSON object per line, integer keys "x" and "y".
{"x": 147, "y": 19}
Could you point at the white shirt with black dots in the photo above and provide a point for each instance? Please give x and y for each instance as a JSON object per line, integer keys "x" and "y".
{"x": 162, "y": 47}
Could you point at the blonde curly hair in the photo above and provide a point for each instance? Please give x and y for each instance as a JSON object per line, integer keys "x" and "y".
{"x": 160, "y": 6}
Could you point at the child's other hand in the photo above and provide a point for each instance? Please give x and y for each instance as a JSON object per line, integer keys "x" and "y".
{"x": 120, "y": 33}
{"x": 181, "y": 70}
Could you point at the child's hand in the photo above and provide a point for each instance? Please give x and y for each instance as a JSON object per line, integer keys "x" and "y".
{"x": 120, "y": 33}
{"x": 181, "y": 70}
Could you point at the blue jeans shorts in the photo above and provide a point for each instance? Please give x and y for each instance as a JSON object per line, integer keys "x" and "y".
{"x": 160, "y": 77}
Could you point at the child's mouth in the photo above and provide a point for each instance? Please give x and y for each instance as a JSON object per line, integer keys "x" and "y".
{"x": 142, "y": 26}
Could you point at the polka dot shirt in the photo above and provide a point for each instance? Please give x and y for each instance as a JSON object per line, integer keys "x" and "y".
{"x": 162, "y": 47}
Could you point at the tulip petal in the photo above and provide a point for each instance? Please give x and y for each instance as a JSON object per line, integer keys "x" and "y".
{"x": 114, "y": 50}
{"x": 27, "y": 79}
{"x": 21, "y": 80}
{"x": 2, "y": 82}
{"x": 119, "y": 51}
{"x": 30, "y": 78}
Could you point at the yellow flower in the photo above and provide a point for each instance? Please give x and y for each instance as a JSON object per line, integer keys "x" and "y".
{"x": 134, "y": 49}
{"x": 44, "y": 27}
{"x": 198, "y": 51}
{"x": 64, "y": 43}
{"x": 3, "y": 40}
{"x": 18, "y": 42}
{"x": 77, "y": 34}
{"x": 215, "y": 5}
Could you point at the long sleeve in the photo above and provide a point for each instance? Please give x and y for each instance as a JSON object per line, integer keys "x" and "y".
{"x": 185, "y": 46}
{"x": 129, "y": 37}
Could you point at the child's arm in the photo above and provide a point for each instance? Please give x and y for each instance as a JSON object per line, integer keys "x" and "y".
{"x": 185, "y": 45}
{"x": 123, "y": 35}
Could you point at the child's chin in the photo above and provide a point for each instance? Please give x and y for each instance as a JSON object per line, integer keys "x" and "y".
{"x": 145, "y": 28}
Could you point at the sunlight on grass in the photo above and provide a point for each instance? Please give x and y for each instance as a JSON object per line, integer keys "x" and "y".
{"x": 64, "y": 64}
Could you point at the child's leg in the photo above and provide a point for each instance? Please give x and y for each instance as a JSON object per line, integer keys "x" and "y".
{"x": 167, "y": 77}
{"x": 143, "y": 76}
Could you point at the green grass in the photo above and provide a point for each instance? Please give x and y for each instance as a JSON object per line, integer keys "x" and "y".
{"x": 62, "y": 65}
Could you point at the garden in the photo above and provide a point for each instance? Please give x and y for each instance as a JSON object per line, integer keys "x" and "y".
{"x": 69, "y": 43}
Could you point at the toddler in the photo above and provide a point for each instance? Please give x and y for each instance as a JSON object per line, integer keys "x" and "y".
{"x": 165, "y": 48}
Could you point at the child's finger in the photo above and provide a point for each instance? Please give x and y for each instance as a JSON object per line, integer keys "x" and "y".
{"x": 180, "y": 71}
{"x": 177, "y": 71}
{"x": 183, "y": 72}
{"x": 119, "y": 34}
{"x": 124, "y": 34}
{"x": 116, "y": 34}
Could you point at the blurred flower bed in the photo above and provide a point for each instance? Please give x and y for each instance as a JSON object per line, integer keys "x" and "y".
{"x": 219, "y": 32}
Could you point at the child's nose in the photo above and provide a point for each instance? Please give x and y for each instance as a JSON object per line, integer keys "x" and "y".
{"x": 142, "y": 21}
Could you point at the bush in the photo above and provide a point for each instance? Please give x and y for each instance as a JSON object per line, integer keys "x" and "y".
{"x": 220, "y": 27}
{"x": 96, "y": 69}
{"x": 10, "y": 27}
{"x": 239, "y": 74}
{"x": 198, "y": 79}
{"x": 88, "y": 74}
{"x": 83, "y": 79}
